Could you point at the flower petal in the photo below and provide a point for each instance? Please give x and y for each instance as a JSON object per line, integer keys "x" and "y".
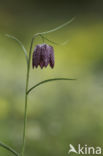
{"x": 36, "y": 56}
{"x": 51, "y": 61}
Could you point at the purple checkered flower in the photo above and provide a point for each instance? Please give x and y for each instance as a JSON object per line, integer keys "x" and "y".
{"x": 42, "y": 56}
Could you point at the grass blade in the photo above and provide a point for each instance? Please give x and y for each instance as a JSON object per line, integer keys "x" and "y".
{"x": 61, "y": 44}
{"x": 59, "y": 27}
{"x": 9, "y": 148}
{"x": 20, "y": 43}
{"x": 45, "y": 81}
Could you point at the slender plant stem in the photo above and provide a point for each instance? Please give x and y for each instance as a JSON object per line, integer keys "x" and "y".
{"x": 9, "y": 148}
{"x": 26, "y": 99}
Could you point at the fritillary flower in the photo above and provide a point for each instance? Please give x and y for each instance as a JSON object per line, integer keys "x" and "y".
{"x": 42, "y": 56}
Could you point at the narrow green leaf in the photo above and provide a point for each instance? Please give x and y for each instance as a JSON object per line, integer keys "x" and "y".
{"x": 9, "y": 148}
{"x": 20, "y": 43}
{"x": 49, "y": 40}
{"x": 59, "y": 27}
{"x": 53, "y": 30}
{"x": 61, "y": 44}
{"x": 45, "y": 81}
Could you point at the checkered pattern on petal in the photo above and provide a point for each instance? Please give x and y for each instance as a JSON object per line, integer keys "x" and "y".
{"x": 43, "y": 55}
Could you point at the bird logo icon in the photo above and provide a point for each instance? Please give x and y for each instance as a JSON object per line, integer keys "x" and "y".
{"x": 72, "y": 149}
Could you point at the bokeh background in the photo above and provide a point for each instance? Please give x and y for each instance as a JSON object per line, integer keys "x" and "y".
{"x": 59, "y": 113}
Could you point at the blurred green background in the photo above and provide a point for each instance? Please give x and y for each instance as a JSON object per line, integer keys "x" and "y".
{"x": 59, "y": 113}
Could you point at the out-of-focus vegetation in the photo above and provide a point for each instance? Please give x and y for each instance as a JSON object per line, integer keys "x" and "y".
{"x": 59, "y": 113}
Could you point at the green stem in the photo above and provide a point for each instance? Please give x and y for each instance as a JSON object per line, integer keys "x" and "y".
{"x": 9, "y": 148}
{"x": 26, "y": 96}
{"x": 26, "y": 99}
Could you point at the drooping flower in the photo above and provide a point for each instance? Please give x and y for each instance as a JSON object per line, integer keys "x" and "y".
{"x": 42, "y": 56}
